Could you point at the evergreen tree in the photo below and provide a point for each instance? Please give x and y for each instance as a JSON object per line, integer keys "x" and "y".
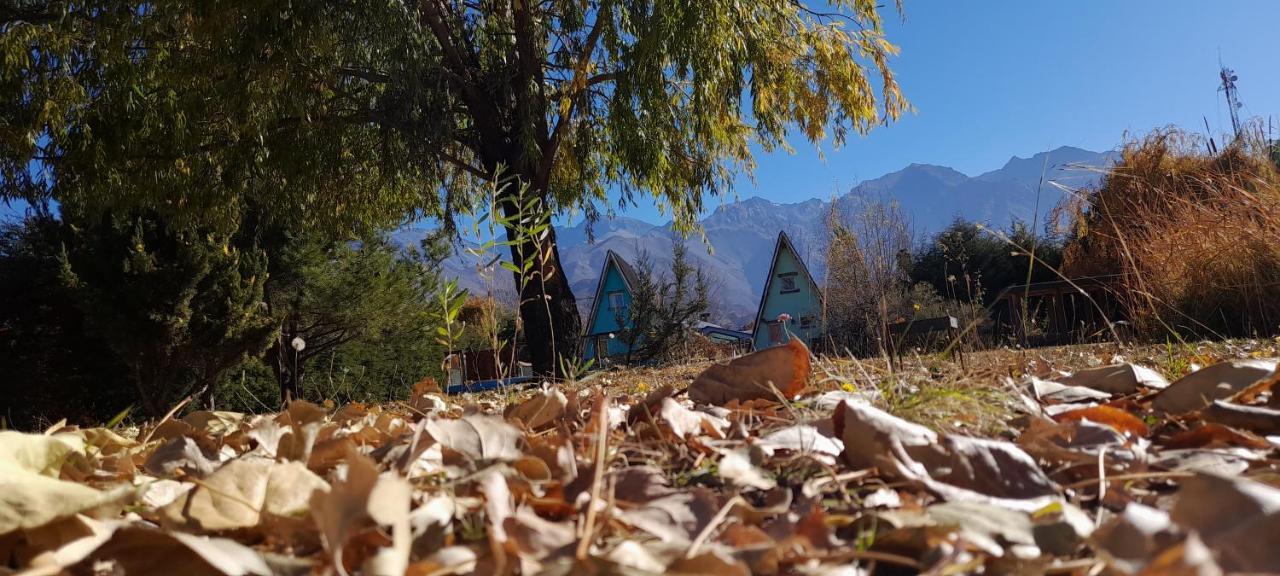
{"x": 663, "y": 306}
{"x": 969, "y": 263}
{"x": 325, "y": 297}
{"x": 178, "y": 307}
{"x": 51, "y": 366}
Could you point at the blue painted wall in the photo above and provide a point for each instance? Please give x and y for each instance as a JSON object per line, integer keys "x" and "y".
{"x": 805, "y": 301}
{"x": 606, "y": 319}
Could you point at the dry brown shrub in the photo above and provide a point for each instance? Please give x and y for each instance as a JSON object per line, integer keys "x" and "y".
{"x": 1195, "y": 235}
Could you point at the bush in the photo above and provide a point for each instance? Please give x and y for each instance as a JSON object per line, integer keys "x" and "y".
{"x": 1195, "y": 236}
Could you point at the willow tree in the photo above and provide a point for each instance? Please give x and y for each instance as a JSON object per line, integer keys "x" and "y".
{"x": 364, "y": 112}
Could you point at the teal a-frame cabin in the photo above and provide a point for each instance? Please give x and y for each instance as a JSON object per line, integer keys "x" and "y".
{"x": 791, "y": 291}
{"x": 610, "y": 311}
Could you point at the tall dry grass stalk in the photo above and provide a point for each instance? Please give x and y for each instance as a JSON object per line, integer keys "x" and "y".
{"x": 1195, "y": 235}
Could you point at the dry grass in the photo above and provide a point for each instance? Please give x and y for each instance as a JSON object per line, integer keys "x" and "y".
{"x": 1196, "y": 236}
{"x": 933, "y": 389}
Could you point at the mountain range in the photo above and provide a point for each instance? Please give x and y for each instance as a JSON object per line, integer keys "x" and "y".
{"x": 738, "y": 237}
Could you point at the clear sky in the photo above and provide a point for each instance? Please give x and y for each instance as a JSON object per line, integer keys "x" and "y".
{"x": 992, "y": 79}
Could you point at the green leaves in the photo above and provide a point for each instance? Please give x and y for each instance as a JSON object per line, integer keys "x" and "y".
{"x": 348, "y": 115}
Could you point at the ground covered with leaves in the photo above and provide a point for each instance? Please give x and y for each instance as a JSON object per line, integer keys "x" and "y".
{"x": 1077, "y": 460}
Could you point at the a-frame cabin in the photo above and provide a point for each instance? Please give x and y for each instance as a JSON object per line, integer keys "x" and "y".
{"x": 791, "y": 290}
{"x": 612, "y": 304}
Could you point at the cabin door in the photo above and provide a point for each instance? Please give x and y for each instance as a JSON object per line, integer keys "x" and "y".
{"x": 775, "y": 333}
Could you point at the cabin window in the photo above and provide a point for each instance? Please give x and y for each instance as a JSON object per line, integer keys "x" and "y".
{"x": 617, "y": 301}
{"x": 775, "y": 333}
{"x": 788, "y": 282}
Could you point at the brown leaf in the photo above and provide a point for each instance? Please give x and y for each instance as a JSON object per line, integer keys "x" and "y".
{"x": 180, "y": 454}
{"x": 141, "y": 550}
{"x": 1117, "y": 379}
{"x": 996, "y": 530}
{"x": 736, "y": 467}
{"x": 1214, "y": 435}
{"x": 1116, "y": 418}
{"x": 541, "y": 411}
{"x": 1237, "y": 519}
{"x": 676, "y": 517}
{"x": 238, "y": 493}
{"x": 1255, "y": 418}
{"x": 361, "y": 501}
{"x": 31, "y": 492}
{"x": 1077, "y": 442}
{"x": 1222, "y": 380}
{"x": 762, "y": 374}
{"x": 1130, "y": 540}
{"x": 478, "y": 438}
{"x": 648, "y": 406}
{"x": 958, "y": 468}
{"x": 712, "y": 561}
{"x": 533, "y": 537}
{"x": 214, "y": 423}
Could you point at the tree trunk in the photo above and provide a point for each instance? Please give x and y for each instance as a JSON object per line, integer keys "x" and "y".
{"x": 548, "y": 309}
{"x": 143, "y": 387}
{"x": 278, "y": 357}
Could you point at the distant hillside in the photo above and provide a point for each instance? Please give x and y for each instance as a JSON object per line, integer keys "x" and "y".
{"x": 740, "y": 235}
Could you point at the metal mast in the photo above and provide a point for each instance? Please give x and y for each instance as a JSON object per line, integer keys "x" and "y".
{"x": 1229, "y": 78}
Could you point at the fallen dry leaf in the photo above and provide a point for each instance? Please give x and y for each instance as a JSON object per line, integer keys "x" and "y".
{"x": 685, "y": 423}
{"x": 764, "y": 374}
{"x": 1198, "y": 389}
{"x": 133, "y": 549}
{"x": 1132, "y": 539}
{"x": 362, "y": 501}
{"x": 1214, "y": 435}
{"x": 540, "y": 411}
{"x": 1235, "y": 517}
{"x": 1116, "y": 418}
{"x": 241, "y": 491}
{"x": 478, "y": 438}
{"x": 802, "y": 439}
{"x": 31, "y": 492}
{"x": 1050, "y": 391}
{"x": 736, "y": 467}
{"x": 1258, "y": 419}
{"x": 1117, "y": 379}
{"x": 957, "y": 468}
{"x": 844, "y": 480}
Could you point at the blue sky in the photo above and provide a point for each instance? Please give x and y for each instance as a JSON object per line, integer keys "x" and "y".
{"x": 992, "y": 79}
{"x": 995, "y": 78}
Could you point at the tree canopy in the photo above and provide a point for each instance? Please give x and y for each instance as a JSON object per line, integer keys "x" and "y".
{"x": 359, "y": 114}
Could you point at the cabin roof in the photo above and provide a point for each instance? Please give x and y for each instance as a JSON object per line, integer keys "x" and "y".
{"x": 628, "y": 273}
{"x": 737, "y": 334}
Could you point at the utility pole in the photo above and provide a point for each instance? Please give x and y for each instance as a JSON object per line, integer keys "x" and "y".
{"x": 1228, "y": 86}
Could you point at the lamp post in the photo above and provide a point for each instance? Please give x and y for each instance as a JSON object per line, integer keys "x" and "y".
{"x": 298, "y": 345}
